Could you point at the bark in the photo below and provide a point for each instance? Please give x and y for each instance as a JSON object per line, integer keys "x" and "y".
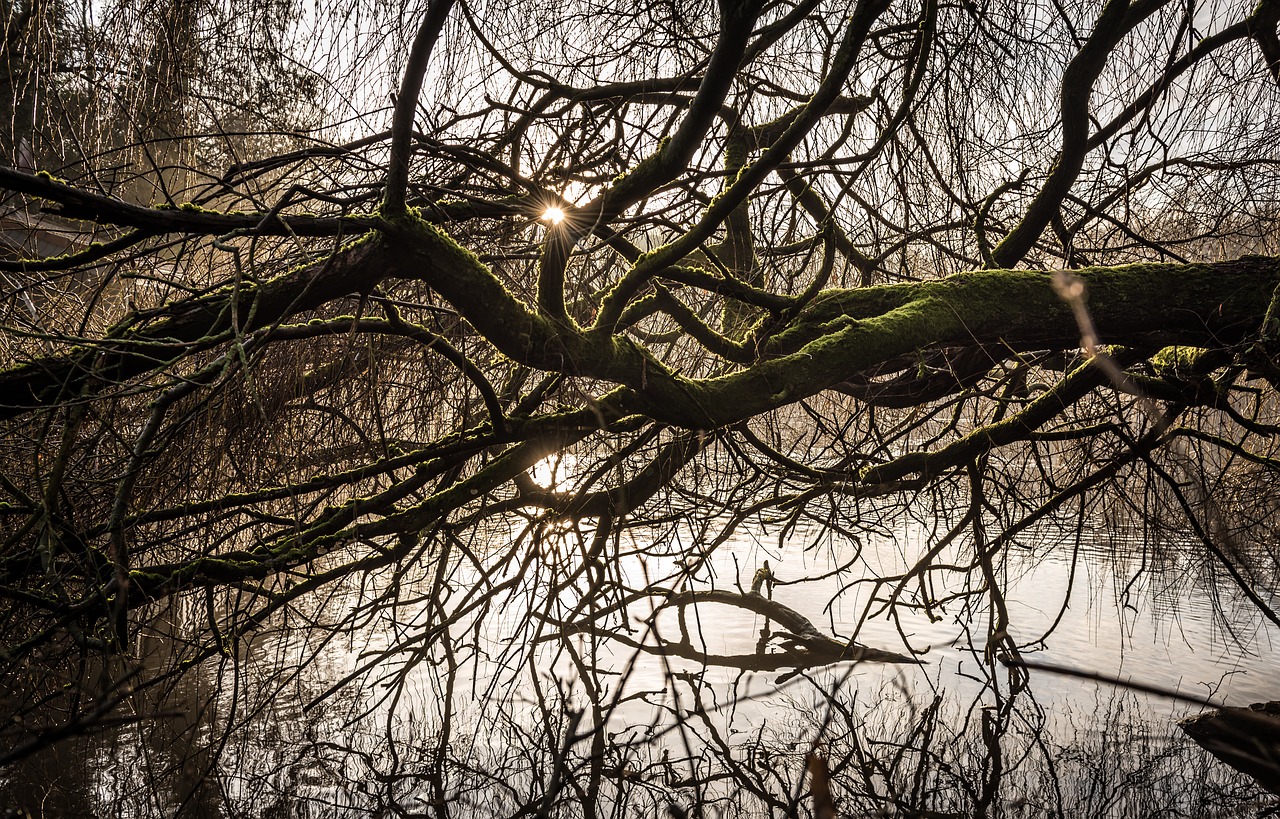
{"x": 841, "y": 334}
{"x": 1247, "y": 739}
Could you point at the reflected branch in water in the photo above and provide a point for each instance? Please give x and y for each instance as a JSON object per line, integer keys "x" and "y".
{"x": 378, "y": 492}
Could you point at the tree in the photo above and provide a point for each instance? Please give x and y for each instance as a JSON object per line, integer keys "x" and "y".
{"x": 766, "y": 259}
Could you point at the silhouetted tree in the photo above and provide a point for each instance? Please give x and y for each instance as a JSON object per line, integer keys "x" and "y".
{"x": 809, "y": 261}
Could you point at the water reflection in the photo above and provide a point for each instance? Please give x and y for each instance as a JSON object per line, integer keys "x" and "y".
{"x": 481, "y": 686}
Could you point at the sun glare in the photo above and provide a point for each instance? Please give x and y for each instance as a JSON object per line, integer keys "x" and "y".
{"x": 554, "y": 472}
{"x": 553, "y": 215}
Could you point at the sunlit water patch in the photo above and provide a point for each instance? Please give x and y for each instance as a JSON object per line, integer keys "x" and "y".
{"x": 376, "y": 712}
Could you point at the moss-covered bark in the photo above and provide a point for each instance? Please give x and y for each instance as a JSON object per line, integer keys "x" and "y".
{"x": 841, "y": 333}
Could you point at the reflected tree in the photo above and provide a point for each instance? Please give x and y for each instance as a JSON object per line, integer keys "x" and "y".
{"x": 417, "y": 320}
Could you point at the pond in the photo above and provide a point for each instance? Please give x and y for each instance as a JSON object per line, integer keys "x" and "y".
{"x": 474, "y": 681}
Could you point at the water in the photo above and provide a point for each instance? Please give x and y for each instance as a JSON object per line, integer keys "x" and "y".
{"x": 360, "y": 702}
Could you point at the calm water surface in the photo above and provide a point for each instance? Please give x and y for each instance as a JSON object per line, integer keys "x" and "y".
{"x": 266, "y": 733}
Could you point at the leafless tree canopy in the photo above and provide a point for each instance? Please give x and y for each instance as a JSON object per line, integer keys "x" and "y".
{"x": 458, "y": 303}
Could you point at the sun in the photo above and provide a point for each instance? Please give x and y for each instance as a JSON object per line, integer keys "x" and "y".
{"x": 553, "y": 215}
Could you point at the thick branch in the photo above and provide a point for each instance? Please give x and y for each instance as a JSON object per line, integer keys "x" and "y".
{"x": 79, "y": 204}
{"x": 407, "y": 104}
{"x": 1118, "y": 18}
{"x": 189, "y": 326}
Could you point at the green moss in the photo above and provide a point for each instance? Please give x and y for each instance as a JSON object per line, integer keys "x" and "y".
{"x": 645, "y": 165}
{"x": 1175, "y": 358}
{"x": 192, "y": 207}
{"x": 1181, "y": 362}
{"x": 735, "y": 155}
{"x": 146, "y": 578}
{"x": 483, "y": 289}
